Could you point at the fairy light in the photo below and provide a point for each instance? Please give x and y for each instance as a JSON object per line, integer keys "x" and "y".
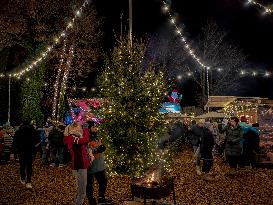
{"x": 65, "y": 76}
{"x": 178, "y": 30}
{"x": 267, "y": 74}
{"x": 56, "y": 85}
{"x": 43, "y": 55}
{"x": 179, "y": 77}
{"x": 267, "y": 9}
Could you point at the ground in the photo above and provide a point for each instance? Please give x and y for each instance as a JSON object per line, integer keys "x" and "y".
{"x": 52, "y": 185}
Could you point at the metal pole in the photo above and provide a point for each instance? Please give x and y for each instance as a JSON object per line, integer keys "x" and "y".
{"x": 208, "y": 86}
{"x": 9, "y": 103}
{"x": 130, "y": 22}
{"x": 121, "y": 15}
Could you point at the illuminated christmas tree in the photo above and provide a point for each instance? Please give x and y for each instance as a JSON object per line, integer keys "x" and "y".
{"x": 133, "y": 123}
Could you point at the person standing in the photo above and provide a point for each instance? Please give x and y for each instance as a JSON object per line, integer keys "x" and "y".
{"x": 196, "y": 136}
{"x": 25, "y": 139}
{"x": 233, "y": 147}
{"x": 76, "y": 138}
{"x": 206, "y": 147}
{"x": 55, "y": 139}
{"x": 97, "y": 168}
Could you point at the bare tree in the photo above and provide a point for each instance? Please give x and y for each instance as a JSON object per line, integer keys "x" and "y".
{"x": 165, "y": 50}
{"x": 224, "y": 59}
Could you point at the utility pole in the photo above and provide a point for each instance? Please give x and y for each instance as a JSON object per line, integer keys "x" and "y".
{"x": 9, "y": 103}
{"x": 130, "y": 22}
{"x": 121, "y": 31}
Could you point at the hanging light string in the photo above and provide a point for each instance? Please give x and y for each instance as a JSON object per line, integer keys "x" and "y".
{"x": 267, "y": 9}
{"x": 56, "y": 84}
{"x": 43, "y": 55}
{"x": 243, "y": 74}
{"x": 166, "y": 9}
{"x": 187, "y": 47}
{"x": 65, "y": 77}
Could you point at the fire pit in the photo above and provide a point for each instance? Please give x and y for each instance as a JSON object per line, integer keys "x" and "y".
{"x": 153, "y": 186}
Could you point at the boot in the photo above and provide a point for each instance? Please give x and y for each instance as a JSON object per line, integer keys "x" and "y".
{"x": 103, "y": 201}
{"x": 93, "y": 201}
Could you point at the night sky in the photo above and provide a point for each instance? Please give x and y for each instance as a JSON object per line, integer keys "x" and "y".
{"x": 246, "y": 25}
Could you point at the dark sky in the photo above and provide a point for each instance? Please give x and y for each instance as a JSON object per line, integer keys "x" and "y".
{"x": 246, "y": 26}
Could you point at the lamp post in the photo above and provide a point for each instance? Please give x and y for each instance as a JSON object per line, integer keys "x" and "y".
{"x": 208, "y": 85}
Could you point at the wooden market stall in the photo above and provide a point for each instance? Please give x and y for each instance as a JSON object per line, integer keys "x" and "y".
{"x": 256, "y": 110}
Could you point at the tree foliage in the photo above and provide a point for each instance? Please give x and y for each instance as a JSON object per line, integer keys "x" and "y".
{"x": 27, "y": 27}
{"x": 131, "y": 110}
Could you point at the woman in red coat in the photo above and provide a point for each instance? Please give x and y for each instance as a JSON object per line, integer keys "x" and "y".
{"x": 76, "y": 139}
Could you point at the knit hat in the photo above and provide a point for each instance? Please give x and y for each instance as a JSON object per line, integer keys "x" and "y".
{"x": 243, "y": 119}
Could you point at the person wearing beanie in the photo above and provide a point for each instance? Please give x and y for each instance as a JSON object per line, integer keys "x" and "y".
{"x": 233, "y": 148}
{"x": 97, "y": 168}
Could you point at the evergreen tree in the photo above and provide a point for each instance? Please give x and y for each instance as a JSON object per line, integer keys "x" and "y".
{"x": 31, "y": 95}
{"x": 130, "y": 110}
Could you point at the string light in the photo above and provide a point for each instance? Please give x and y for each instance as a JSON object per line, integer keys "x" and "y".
{"x": 243, "y": 73}
{"x": 56, "y": 84}
{"x": 267, "y": 9}
{"x": 65, "y": 76}
{"x": 43, "y": 55}
{"x": 187, "y": 47}
{"x": 190, "y": 51}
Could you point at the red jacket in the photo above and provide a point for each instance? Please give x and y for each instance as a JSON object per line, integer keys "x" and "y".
{"x": 69, "y": 140}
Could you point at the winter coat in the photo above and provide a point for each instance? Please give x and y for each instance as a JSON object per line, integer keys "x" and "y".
{"x": 206, "y": 145}
{"x": 56, "y": 137}
{"x": 251, "y": 141}
{"x": 69, "y": 140}
{"x": 196, "y": 135}
{"x": 98, "y": 164}
{"x": 177, "y": 131}
{"x": 25, "y": 139}
{"x": 232, "y": 141}
{"x": 42, "y": 136}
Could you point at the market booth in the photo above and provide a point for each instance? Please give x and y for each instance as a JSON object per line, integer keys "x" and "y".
{"x": 256, "y": 110}
{"x": 213, "y": 116}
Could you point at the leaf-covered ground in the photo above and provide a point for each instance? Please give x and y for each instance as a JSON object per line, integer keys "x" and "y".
{"x": 52, "y": 185}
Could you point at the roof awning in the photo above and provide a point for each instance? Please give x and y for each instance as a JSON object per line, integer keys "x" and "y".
{"x": 223, "y": 101}
{"x": 211, "y": 115}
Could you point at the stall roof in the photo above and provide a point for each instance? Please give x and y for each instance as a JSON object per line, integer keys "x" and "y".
{"x": 171, "y": 115}
{"x": 222, "y": 101}
{"x": 211, "y": 115}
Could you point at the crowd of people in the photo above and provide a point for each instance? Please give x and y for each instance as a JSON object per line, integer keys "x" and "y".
{"x": 235, "y": 140}
{"x": 79, "y": 145}
{"x": 59, "y": 145}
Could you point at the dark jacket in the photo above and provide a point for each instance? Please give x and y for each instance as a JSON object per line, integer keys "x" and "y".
{"x": 56, "y": 136}
{"x": 206, "y": 145}
{"x": 196, "y": 135}
{"x": 177, "y": 131}
{"x": 232, "y": 141}
{"x": 251, "y": 141}
{"x": 25, "y": 139}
